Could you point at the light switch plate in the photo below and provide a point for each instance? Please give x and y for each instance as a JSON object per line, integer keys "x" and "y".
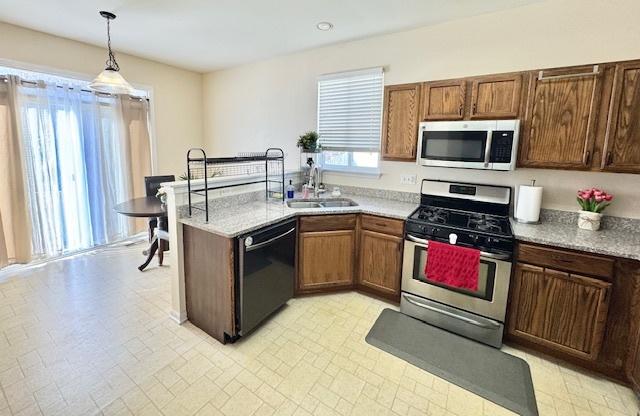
{"x": 408, "y": 179}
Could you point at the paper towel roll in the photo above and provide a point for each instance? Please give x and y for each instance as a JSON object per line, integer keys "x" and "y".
{"x": 529, "y": 203}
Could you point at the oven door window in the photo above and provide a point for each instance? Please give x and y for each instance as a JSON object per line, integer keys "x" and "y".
{"x": 463, "y": 146}
{"x": 486, "y": 276}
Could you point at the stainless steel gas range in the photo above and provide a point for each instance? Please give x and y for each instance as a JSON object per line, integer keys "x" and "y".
{"x": 469, "y": 215}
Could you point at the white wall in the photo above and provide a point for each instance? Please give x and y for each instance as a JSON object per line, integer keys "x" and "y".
{"x": 270, "y": 103}
{"x": 176, "y": 93}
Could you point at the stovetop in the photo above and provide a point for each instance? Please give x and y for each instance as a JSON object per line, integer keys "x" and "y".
{"x": 485, "y": 232}
{"x": 464, "y": 220}
{"x": 472, "y": 215}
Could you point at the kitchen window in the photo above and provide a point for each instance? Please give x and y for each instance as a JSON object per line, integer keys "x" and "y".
{"x": 349, "y": 120}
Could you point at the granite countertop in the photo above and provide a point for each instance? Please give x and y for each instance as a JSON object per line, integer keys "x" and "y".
{"x": 612, "y": 242}
{"x": 249, "y": 216}
{"x": 240, "y": 219}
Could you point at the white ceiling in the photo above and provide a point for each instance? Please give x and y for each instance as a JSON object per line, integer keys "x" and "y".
{"x": 206, "y": 35}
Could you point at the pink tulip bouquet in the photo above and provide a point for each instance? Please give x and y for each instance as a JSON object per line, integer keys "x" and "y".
{"x": 594, "y": 200}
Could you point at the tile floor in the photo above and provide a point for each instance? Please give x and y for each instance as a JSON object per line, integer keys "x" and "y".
{"x": 91, "y": 335}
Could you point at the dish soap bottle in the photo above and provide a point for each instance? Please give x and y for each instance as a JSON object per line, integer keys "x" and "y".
{"x": 290, "y": 190}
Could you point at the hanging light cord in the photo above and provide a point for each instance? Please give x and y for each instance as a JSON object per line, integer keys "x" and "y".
{"x": 111, "y": 62}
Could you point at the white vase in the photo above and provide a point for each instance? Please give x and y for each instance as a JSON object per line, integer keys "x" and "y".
{"x": 588, "y": 220}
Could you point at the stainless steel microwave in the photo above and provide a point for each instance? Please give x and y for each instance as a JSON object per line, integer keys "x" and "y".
{"x": 482, "y": 144}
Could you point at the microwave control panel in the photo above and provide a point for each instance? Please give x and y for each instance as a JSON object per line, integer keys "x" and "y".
{"x": 501, "y": 146}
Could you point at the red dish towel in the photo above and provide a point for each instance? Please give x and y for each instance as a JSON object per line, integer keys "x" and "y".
{"x": 453, "y": 265}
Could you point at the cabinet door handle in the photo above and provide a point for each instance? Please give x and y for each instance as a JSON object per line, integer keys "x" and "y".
{"x": 460, "y": 109}
{"x": 587, "y": 157}
{"x": 609, "y": 158}
{"x": 473, "y": 110}
{"x": 593, "y": 72}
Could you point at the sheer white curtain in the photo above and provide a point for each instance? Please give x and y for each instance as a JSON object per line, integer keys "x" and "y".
{"x": 15, "y": 230}
{"x": 78, "y": 164}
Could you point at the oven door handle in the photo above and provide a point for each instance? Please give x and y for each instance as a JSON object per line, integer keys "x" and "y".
{"x": 487, "y": 325}
{"x": 482, "y": 253}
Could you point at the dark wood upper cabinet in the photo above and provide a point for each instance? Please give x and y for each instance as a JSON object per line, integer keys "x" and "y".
{"x": 444, "y": 100}
{"x": 496, "y": 96}
{"x": 621, "y": 151}
{"x": 400, "y": 121}
{"x": 561, "y": 311}
{"x": 559, "y": 123}
{"x": 579, "y": 118}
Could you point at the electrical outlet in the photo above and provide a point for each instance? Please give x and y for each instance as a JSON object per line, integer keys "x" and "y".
{"x": 408, "y": 179}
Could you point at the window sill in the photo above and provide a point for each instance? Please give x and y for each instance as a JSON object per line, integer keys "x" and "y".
{"x": 369, "y": 174}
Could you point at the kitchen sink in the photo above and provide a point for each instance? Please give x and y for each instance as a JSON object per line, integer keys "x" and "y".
{"x": 303, "y": 204}
{"x": 322, "y": 203}
{"x": 343, "y": 202}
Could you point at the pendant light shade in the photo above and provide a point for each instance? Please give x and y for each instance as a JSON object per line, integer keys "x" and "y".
{"x": 110, "y": 81}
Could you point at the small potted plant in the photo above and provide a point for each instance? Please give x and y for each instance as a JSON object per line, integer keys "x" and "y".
{"x": 309, "y": 141}
{"x": 592, "y": 201}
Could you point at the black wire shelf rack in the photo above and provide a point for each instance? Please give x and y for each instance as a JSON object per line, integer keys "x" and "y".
{"x": 262, "y": 167}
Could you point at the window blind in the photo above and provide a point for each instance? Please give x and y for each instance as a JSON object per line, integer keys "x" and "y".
{"x": 350, "y": 110}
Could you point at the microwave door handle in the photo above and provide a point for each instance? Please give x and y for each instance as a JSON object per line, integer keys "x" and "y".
{"x": 425, "y": 243}
{"x": 487, "y": 148}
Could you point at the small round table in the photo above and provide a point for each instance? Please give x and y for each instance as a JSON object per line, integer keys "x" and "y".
{"x": 147, "y": 207}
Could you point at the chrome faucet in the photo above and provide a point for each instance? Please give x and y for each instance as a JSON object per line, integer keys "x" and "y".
{"x": 315, "y": 180}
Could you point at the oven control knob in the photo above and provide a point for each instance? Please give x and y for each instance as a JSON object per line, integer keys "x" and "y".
{"x": 435, "y": 230}
{"x": 453, "y": 238}
{"x": 248, "y": 241}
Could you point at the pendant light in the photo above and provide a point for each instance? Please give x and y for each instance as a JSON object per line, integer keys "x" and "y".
{"x": 110, "y": 81}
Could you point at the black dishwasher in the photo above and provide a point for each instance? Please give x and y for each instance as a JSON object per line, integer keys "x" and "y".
{"x": 266, "y": 273}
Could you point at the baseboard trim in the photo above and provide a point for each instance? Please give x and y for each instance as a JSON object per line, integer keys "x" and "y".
{"x": 179, "y": 317}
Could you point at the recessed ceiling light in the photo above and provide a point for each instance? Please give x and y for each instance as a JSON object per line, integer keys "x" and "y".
{"x": 324, "y": 26}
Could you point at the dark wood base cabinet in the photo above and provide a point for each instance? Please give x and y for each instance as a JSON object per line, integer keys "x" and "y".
{"x": 559, "y": 310}
{"x": 326, "y": 259}
{"x": 209, "y": 282}
{"x": 633, "y": 365}
{"x": 580, "y": 307}
{"x": 380, "y": 256}
{"x": 337, "y": 252}
{"x": 326, "y": 252}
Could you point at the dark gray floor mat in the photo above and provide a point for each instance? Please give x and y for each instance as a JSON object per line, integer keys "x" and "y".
{"x": 483, "y": 370}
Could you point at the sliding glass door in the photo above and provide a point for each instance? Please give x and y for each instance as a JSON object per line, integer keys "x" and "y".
{"x": 78, "y": 165}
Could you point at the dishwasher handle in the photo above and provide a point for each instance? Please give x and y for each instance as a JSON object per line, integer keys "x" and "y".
{"x": 251, "y": 247}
